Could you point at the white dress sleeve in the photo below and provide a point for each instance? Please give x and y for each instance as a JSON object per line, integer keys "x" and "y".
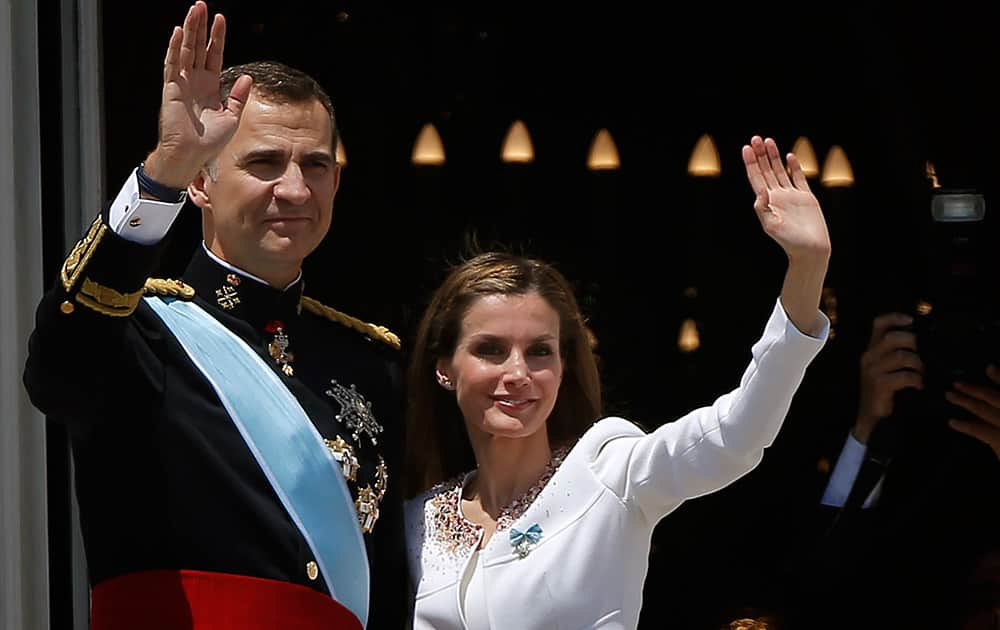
{"x": 712, "y": 446}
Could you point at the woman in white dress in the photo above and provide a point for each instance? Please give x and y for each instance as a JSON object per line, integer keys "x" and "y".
{"x": 527, "y": 510}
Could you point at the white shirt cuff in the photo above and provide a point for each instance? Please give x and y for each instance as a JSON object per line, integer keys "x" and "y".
{"x": 845, "y": 473}
{"x": 143, "y": 221}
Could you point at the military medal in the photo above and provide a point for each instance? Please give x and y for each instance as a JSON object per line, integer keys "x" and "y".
{"x": 227, "y": 297}
{"x": 355, "y": 411}
{"x": 279, "y": 346}
{"x": 344, "y": 454}
{"x": 367, "y": 506}
{"x": 381, "y": 478}
{"x": 356, "y": 415}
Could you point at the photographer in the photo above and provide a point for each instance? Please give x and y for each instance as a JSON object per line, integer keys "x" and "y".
{"x": 914, "y": 502}
{"x": 890, "y": 364}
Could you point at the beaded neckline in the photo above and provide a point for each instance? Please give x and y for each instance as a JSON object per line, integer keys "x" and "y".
{"x": 456, "y": 532}
{"x": 517, "y": 507}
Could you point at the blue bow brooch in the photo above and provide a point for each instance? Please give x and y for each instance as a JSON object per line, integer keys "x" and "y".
{"x": 524, "y": 541}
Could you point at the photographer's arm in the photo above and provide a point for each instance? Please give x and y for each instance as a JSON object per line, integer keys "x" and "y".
{"x": 983, "y": 401}
{"x": 889, "y": 364}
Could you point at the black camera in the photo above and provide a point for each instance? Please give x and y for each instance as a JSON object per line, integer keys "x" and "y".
{"x": 956, "y": 320}
{"x": 957, "y": 317}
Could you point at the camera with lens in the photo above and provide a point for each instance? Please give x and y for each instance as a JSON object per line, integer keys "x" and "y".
{"x": 957, "y": 317}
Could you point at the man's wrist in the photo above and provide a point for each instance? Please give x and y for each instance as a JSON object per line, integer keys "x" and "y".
{"x": 171, "y": 170}
{"x": 862, "y": 430}
{"x": 161, "y": 192}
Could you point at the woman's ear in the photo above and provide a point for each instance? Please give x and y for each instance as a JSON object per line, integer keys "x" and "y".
{"x": 441, "y": 372}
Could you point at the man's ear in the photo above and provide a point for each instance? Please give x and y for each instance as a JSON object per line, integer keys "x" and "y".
{"x": 198, "y": 191}
{"x": 338, "y": 169}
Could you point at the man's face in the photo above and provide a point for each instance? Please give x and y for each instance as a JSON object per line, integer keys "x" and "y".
{"x": 268, "y": 201}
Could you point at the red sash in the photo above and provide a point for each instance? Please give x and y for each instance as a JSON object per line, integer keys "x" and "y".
{"x": 199, "y": 600}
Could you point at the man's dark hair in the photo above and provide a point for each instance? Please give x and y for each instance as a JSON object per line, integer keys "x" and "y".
{"x": 280, "y": 83}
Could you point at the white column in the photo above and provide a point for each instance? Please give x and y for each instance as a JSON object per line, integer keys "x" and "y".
{"x": 82, "y": 115}
{"x": 83, "y": 188}
{"x": 23, "y": 528}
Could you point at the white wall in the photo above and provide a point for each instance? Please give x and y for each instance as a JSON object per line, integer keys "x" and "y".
{"x": 23, "y": 530}
{"x": 83, "y": 187}
{"x": 24, "y": 562}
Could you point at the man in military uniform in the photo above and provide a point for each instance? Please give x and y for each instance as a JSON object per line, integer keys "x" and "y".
{"x": 235, "y": 441}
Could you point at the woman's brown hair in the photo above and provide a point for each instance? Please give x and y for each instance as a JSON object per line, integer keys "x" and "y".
{"x": 437, "y": 445}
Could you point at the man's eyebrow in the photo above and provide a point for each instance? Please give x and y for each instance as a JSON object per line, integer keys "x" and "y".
{"x": 266, "y": 154}
{"x": 278, "y": 154}
{"x": 318, "y": 156}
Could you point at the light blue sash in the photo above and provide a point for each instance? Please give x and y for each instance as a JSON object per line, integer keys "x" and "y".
{"x": 287, "y": 446}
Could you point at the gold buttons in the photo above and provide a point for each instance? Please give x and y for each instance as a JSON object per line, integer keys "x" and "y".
{"x": 312, "y": 570}
{"x": 135, "y": 222}
{"x": 66, "y": 307}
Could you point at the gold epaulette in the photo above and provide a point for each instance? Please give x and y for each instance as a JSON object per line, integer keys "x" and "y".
{"x": 379, "y": 333}
{"x": 168, "y": 287}
{"x": 77, "y": 260}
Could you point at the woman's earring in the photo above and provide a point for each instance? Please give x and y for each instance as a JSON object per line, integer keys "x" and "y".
{"x": 445, "y": 382}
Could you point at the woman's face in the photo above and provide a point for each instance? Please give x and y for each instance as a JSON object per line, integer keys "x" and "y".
{"x": 506, "y": 368}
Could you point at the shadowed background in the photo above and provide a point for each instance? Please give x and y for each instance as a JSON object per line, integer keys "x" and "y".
{"x": 894, "y": 85}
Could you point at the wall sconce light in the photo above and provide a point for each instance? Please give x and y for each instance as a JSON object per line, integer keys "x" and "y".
{"x": 704, "y": 161}
{"x": 688, "y": 340}
{"x": 428, "y": 150}
{"x": 603, "y": 154}
{"x": 931, "y": 172}
{"x": 837, "y": 171}
{"x": 803, "y": 150}
{"x": 517, "y": 147}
